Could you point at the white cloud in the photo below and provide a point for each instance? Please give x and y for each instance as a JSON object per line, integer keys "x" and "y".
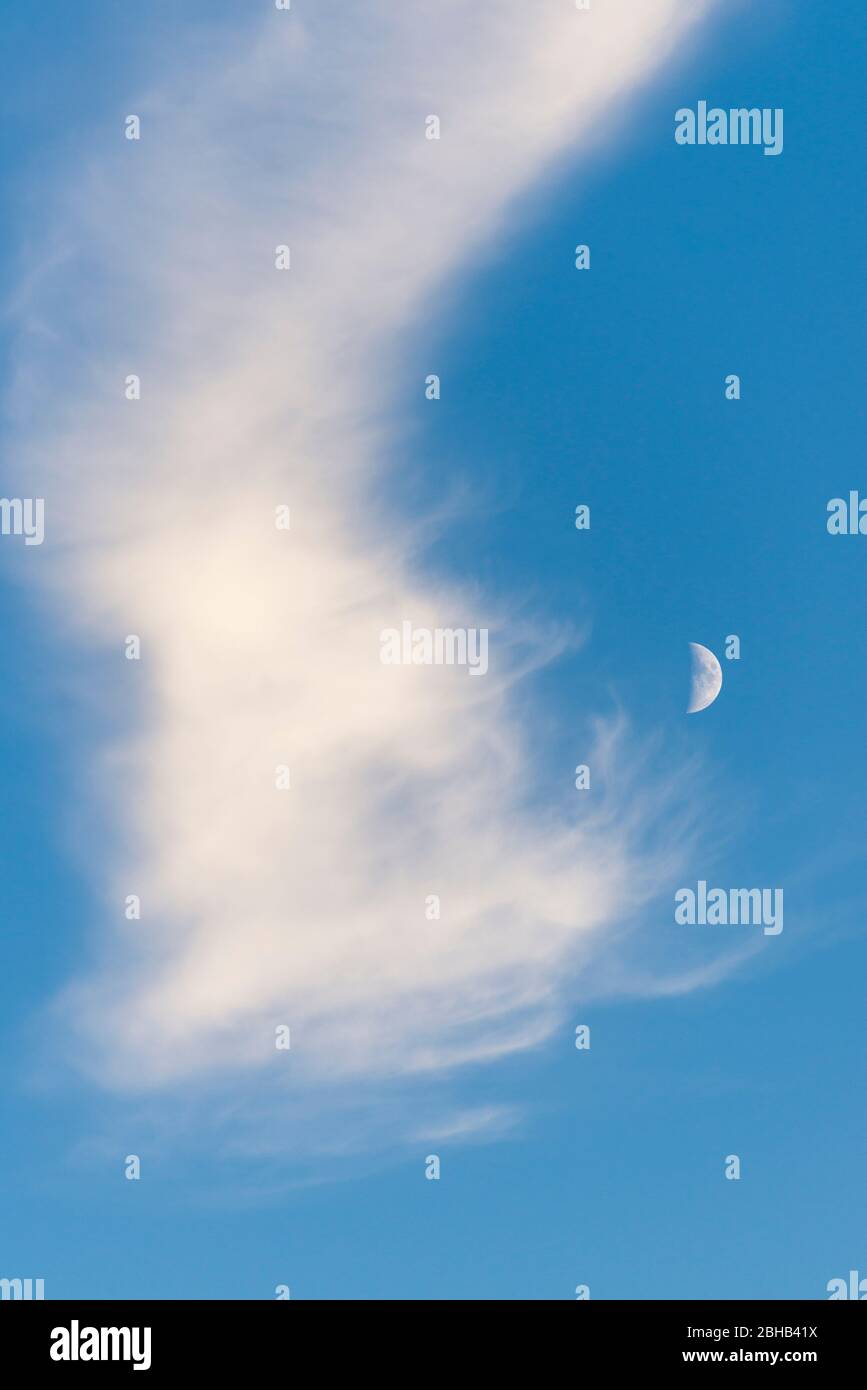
{"x": 261, "y": 647}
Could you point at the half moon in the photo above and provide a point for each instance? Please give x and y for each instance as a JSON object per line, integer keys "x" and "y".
{"x": 706, "y": 678}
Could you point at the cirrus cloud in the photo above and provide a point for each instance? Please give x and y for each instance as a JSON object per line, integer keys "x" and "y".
{"x": 261, "y": 647}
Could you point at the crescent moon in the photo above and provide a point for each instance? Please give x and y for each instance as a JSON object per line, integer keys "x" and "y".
{"x": 706, "y": 678}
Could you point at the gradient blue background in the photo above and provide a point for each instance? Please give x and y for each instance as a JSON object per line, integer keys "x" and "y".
{"x": 708, "y": 519}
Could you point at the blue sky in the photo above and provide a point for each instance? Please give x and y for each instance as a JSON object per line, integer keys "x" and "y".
{"x": 708, "y": 518}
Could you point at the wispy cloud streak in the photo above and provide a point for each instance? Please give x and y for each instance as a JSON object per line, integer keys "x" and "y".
{"x": 261, "y": 647}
